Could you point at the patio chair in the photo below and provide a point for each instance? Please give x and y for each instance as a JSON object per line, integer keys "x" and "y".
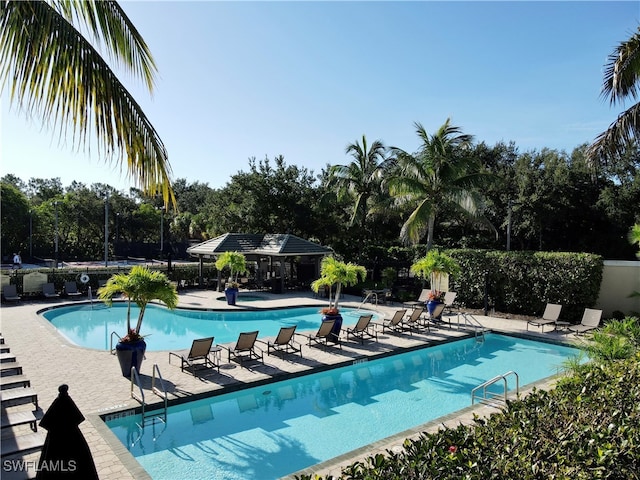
{"x": 198, "y": 355}
{"x": 394, "y": 323}
{"x": 284, "y": 342}
{"x": 324, "y": 334}
{"x": 10, "y": 293}
{"x": 449, "y": 298}
{"x": 413, "y": 321}
{"x": 363, "y": 327}
{"x": 590, "y": 321}
{"x": 71, "y": 289}
{"x": 245, "y": 348}
{"x": 435, "y": 318}
{"x": 49, "y": 291}
{"x": 422, "y": 299}
{"x": 550, "y": 316}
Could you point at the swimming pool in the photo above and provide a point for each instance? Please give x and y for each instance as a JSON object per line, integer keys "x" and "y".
{"x": 90, "y": 326}
{"x": 267, "y": 432}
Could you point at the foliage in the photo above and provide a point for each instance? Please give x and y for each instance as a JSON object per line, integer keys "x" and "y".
{"x": 140, "y": 286}
{"x": 621, "y": 81}
{"x": 389, "y": 275}
{"x": 435, "y": 265}
{"x": 585, "y": 428}
{"x": 335, "y": 272}
{"x": 51, "y": 69}
{"x": 236, "y": 262}
{"x": 523, "y": 282}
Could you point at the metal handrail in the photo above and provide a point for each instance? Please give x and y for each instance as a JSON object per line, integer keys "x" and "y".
{"x": 134, "y": 395}
{"x": 111, "y": 349}
{"x": 160, "y": 392}
{"x": 490, "y": 382}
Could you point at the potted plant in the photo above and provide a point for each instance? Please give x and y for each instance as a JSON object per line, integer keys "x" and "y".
{"x": 237, "y": 265}
{"x": 436, "y": 266}
{"x": 332, "y": 272}
{"x": 139, "y": 286}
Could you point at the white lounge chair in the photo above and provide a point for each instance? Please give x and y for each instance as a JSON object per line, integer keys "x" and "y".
{"x": 550, "y": 316}
{"x": 590, "y": 321}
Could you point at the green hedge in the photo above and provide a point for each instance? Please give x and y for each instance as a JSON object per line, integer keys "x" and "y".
{"x": 523, "y": 282}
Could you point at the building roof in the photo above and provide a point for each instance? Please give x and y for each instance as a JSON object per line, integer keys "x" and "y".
{"x": 275, "y": 245}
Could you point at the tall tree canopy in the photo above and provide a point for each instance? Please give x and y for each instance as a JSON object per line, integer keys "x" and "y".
{"x": 53, "y": 71}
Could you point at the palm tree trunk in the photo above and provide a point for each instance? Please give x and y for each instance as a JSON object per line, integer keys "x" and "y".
{"x": 432, "y": 221}
{"x": 140, "y": 315}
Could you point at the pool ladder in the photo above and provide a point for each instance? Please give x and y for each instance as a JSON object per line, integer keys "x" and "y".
{"x": 160, "y": 391}
{"x": 487, "y": 397}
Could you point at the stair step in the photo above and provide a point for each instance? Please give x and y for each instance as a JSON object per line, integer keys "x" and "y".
{"x": 7, "y": 357}
{"x": 12, "y": 419}
{"x": 12, "y": 381}
{"x": 10, "y": 368}
{"x": 18, "y": 396}
{"x": 4, "y": 348}
{"x": 30, "y": 442}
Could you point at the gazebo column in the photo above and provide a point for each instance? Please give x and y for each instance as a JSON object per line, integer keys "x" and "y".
{"x": 282, "y": 270}
{"x": 200, "y": 267}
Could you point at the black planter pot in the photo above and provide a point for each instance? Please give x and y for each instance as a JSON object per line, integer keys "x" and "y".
{"x": 130, "y": 354}
{"x": 232, "y": 295}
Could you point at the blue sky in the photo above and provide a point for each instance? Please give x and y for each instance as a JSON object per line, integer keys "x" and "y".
{"x": 304, "y": 79}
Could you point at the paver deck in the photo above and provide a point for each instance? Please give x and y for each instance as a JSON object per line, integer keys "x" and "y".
{"x": 98, "y": 387}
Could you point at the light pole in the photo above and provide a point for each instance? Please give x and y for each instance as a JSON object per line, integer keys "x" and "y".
{"x": 106, "y": 230}
{"x": 115, "y": 246}
{"x": 30, "y": 235}
{"x": 161, "y": 231}
{"x": 56, "y": 240}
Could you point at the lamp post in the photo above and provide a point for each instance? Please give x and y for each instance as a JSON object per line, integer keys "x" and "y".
{"x": 30, "y": 235}
{"x": 115, "y": 246}
{"x": 106, "y": 230}
{"x": 161, "y": 231}
{"x": 56, "y": 239}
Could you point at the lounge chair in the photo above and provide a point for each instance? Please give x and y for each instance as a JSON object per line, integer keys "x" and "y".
{"x": 324, "y": 334}
{"x": 394, "y": 323}
{"x": 246, "y": 348}
{"x": 198, "y": 355}
{"x": 284, "y": 342}
{"x": 422, "y": 299}
{"x": 449, "y": 298}
{"x": 433, "y": 319}
{"x": 71, "y": 289}
{"x": 10, "y": 293}
{"x": 363, "y": 327}
{"x": 413, "y": 321}
{"x": 49, "y": 291}
{"x": 550, "y": 316}
{"x": 590, "y": 321}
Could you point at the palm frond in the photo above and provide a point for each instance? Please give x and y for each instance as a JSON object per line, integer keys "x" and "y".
{"x": 52, "y": 70}
{"x": 622, "y": 71}
{"x": 614, "y": 142}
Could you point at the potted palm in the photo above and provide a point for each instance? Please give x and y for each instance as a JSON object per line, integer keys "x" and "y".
{"x": 237, "y": 265}
{"x": 139, "y": 286}
{"x": 436, "y": 266}
{"x": 335, "y": 272}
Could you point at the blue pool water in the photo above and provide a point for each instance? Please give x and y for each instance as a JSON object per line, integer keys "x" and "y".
{"x": 274, "y": 430}
{"x": 90, "y": 326}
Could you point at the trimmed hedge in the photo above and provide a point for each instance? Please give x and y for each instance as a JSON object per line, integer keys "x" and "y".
{"x": 523, "y": 282}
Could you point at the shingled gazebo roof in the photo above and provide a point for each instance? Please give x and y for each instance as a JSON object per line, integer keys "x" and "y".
{"x": 274, "y": 245}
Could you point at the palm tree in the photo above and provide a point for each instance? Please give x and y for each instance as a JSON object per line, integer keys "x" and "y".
{"x": 140, "y": 286}
{"x": 361, "y": 178}
{"x": 621, "y": 81}
{"x": 436, "y": 178}
{"x": 335, "y": 272}
{"x": 53, "y": 71}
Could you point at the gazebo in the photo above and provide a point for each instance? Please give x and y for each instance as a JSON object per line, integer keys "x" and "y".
{"x": 272, "y": 253}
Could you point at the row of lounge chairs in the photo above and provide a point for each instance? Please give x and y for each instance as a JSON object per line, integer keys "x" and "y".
{"x": 551, "y": 317}
{"x": 10, "y": 292}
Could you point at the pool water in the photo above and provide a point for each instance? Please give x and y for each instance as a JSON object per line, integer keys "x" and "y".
{"x": 274, "y": 430}
{"x": 90, "y": 326}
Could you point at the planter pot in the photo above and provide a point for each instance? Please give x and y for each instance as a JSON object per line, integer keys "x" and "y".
{"x": 232, "y": 295}
{"x": 130, "y": 354}
{"x": 431, "y": 306}
{"x": 335, "y": 332}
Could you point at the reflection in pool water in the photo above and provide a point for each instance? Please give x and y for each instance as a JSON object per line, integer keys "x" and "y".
{"x": 91, "y": 325}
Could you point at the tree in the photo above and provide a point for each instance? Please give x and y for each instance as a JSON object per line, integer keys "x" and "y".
{"x": 335, "y": 272}
{"x": 140, "y": 286}
{"x": 621, "y": 81}
{"x": 360, "y": 179}
{"x": 15, "y": 219}
{"x": 435, "y": 265}
{"x": 237, "y": 265}
{"x": 438, "y": 177}
{"x": 53, "y": 71}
